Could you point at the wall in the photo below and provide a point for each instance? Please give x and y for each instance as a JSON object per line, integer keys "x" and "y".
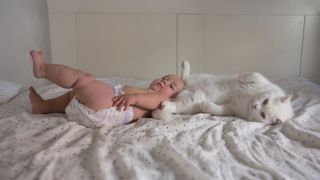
{"x": 144, "y": 39}
{"x": 24, "y": 26}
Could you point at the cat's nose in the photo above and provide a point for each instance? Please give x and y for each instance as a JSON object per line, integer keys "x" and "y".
{"x": 276, "y": 121}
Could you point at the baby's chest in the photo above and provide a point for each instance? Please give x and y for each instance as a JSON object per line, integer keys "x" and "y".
{"x": 132, "y": 90}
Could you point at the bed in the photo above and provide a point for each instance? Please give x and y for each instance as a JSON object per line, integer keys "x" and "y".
{"x": 200, "y": 146}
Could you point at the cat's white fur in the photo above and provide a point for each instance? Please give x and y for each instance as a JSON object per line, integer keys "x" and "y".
{"x": 249, "y": 96}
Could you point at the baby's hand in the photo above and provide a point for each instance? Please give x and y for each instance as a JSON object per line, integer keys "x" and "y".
{"x": 122, "y": 102}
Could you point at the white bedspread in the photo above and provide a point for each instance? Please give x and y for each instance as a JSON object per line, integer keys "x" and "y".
{"x": 188, "y": 147}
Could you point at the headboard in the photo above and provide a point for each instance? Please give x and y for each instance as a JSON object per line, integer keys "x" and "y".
{"x": 145, "y": 39}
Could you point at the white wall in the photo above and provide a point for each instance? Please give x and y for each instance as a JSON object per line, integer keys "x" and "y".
{"x": 23, "y": 26}
{"x": 144, "y": 39}
{"x": 242, "y": 43}
{"x": 311, "y": 49}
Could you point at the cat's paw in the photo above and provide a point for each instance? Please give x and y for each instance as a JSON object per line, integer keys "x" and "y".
{"x": 161, "y": 115}
{"x": 185, "y": 64}
{"x": 207, "y": 107}
{"x": 165, "y": 111}
{"x": 168, "y": 106}
{"x": 185, "y": 69}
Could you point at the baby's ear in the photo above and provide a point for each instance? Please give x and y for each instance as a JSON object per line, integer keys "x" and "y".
{"x": 285, "y": 98}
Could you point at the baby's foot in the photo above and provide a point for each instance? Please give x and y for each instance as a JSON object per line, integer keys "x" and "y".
{"x": 38, "y": 62}
{"x": 37, "y": 102}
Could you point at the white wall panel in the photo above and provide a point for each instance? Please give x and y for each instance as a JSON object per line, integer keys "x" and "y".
{"x": 191, "y": 34}
{"x": 240, "y": 43}
{"x": 311, "y": 52}
{"x": 138, "y": 46}
{"x": 63, "y": 38}
{"x": 296, "y": 7}
{"x": 119, "y": 38}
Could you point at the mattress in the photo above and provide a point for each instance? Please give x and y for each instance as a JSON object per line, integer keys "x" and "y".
{"x": 200, "y": 146}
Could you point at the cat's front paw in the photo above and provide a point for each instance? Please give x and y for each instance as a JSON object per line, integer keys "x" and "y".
{"x": 206, "y": 107}
{"x": 165, "y": 112}
{"x": 161, "y": 115}
{"x": 168, "y": 106}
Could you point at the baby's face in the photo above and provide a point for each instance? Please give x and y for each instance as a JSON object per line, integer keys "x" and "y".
{"x": 169, "y": 85}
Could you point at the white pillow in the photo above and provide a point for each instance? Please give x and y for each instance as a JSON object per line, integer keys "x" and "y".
{"x": 8, "y": 90}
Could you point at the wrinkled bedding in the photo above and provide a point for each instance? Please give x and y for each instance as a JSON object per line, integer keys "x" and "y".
{"x": 201, "y": 146}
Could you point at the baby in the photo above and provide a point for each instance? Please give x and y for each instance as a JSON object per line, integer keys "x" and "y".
{"x": 93, "y": 103}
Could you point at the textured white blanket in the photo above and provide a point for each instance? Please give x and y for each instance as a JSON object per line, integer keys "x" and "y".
{"x": 188, "y": 147}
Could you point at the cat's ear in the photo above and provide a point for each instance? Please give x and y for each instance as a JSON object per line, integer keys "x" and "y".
{"x": 285, "y": 98}
{"x": 265, "y": 101}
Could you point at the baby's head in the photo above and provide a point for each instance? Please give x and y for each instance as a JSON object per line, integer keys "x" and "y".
{"x": 170, "y": 85}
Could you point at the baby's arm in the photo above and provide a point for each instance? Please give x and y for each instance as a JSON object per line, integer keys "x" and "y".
{"x": 148, "y": 101}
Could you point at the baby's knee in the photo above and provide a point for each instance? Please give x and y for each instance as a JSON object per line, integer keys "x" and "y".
{"x": 84, "y": 75}
{"x": 83, "y": 79}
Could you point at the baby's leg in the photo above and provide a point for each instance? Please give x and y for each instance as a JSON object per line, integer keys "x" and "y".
{"x": 61, "y": 75}
{"x": 90, "y": 92}
{"x": 54, "y": 105}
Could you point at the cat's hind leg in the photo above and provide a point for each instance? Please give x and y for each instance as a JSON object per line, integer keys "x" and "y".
{"x": 253, "y": 78}
{"x": 185, "y": 69}
{"x": 215, "y": 109}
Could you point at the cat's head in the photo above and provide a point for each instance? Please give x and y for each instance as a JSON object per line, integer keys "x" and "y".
{"x": 271, "y": 109}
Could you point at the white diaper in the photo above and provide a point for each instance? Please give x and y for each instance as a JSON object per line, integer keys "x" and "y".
{"x": 110, "y": 117}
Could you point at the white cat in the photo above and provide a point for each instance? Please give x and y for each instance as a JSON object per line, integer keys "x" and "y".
{"x": 249, "y": 96}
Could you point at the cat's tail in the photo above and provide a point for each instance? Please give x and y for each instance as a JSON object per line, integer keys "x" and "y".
{"x": 185, "y": 69}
